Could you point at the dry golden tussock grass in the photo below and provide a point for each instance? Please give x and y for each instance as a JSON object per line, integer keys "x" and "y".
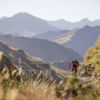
{"x": 31, "y": 91}
{"x": 37, "y": 93}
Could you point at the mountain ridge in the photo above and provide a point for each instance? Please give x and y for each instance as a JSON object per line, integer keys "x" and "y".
{"x": 25, "y": 23}
{"x": 63, "y": 24}
{"x": 79, "y": 39}
{"x": 32, "y": 67}
{"x": 47, "y": 50}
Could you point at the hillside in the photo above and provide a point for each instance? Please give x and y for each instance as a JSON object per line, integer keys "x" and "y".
{"x": 92, "y": 58}
{"x": 80, "y": 39}
{"x": 44, "y": 49}
{"x": 81, "y": 87}
{"x": 31, "y": 66}
{"x": 86, "y": 86}
{"x": 24, "y": 24}
{"x": 75, "y": 39}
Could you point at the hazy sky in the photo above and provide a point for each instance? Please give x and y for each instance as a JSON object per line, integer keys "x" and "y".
{"x": 71, "y": 10}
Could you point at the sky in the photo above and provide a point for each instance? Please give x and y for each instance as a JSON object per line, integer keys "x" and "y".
{"x": 70, "y": 10}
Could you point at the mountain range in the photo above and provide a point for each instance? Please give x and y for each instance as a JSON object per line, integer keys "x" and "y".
{"x": 24, "y": 24}
{"x": 33, "y": 67}
{"x": 63, "y": 24}
{"x": 47, "y": 50}
{"x": 79, "y": 39}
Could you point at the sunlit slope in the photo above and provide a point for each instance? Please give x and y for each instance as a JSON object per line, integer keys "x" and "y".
{"x": 47, "y": 50}
{"x": 32, "y": 66}
{"x": 92, "y": 58}
{"x": 80, "y": 39}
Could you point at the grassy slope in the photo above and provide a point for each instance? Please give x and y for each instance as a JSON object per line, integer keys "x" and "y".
{"x": 92, "y": 58}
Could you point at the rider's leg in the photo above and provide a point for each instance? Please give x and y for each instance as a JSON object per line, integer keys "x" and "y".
{"x": 76, "y": 69}
{"x": 72, "y": 69}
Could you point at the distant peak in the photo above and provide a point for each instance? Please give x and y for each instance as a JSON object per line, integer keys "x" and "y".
{"x": 22, "y": 14}
{"x": 26, "y": 15}
{"x": 61, "y": 20}
{"x": 85, "y": 20}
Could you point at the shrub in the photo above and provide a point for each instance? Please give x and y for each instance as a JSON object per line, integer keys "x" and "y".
{"x": 93, "y": 57}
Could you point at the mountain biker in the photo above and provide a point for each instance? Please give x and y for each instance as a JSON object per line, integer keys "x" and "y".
{"x": 74, "y": 66}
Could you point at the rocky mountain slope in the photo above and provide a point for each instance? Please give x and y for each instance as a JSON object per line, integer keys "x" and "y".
{"x": 87, "y": 83}
{"x": 49, "y": 51}
{"x": 33, "y": 67}
{"x": 83, "y": 39}
{"x": 79, "y": 39}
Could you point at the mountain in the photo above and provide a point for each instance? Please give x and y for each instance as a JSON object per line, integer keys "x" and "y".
{"x": 2, "y": 18}
{"x": 24, "y": 24}
{"x": 63, "y": 24}
{"x": 31, "y": 66}
{"x": 49, "y": 51}
{"x": 80, "y": 39}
